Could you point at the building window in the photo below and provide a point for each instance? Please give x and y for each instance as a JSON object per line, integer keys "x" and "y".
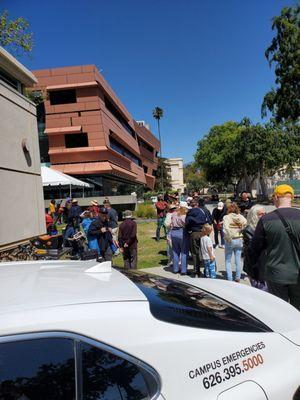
{"x": 142, "y": 143}
{"x": 122, "y": 150}
{"x": 11, "y": 81}
{"x": 154, "y": 173}
{"x": 145, "y": 169}
{"x": 156, "y": 154}
{"x": 76, "y": 140}
{"x": 116, "y": 113}
{"x": 62, "y": 97}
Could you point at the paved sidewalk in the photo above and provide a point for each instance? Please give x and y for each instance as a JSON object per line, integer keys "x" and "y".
{"x": 221, "y": 272}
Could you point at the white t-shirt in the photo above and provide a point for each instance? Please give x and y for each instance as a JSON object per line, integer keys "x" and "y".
{"x": 206, "y": 242}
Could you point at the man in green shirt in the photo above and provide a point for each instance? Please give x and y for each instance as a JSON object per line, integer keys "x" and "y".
{"x": 282, "y": 252}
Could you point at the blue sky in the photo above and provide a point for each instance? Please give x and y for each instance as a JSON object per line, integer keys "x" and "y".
{"x": 202, "y": 61}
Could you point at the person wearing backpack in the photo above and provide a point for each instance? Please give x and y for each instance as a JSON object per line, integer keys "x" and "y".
{"x": 278, "y": 235}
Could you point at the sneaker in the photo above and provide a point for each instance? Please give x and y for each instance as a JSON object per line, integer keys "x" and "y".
{"x": 117, "y": 252}
{"x": 222, "y": 246}
{"x": 215, "y": 245}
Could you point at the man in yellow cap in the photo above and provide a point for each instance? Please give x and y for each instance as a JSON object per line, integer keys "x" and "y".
{"x": 278, "y": 236}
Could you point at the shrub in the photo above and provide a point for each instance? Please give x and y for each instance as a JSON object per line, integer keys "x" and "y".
{"x": 147, "y": 195}
{"x": 145, "y": 211}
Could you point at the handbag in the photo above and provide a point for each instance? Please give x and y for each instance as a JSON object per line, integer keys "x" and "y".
{"x": 290, "y": 232}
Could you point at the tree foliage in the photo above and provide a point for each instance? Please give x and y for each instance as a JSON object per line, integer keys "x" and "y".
{"x": 218, "y": 155}
{"x": 158, "y": 113}
{"x": 235, "y": 151}
{"x": 14, "y": 34}
{"x": 284, "y": 100}
{"x": 194, "y": 178}
{"x": 163, "y": 180}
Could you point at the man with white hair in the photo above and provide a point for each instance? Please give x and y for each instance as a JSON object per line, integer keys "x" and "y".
{"x": 278, "y": 234}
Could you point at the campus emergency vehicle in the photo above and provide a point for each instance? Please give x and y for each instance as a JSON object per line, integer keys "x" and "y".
{"x": 84, "y": 330}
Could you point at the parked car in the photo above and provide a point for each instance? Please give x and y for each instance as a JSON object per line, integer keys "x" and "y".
{"x": 83, "y": 330}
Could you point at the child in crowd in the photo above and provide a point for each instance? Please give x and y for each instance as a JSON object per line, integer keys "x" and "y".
{"x": 207, "y": 251}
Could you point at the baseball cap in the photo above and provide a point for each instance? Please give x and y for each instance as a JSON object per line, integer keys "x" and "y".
{"x": 282, "y": 190}
{"x": 220, "y": 205}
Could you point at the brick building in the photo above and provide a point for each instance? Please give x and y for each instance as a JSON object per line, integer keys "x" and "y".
{"x": 85, "y": 131}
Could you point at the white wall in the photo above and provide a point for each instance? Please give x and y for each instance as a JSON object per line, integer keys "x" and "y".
{"x": 175, "y": 167}
{"x": 21, "y": 194}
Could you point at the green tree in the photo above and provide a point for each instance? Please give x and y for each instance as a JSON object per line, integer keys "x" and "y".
{"x": 158, "y": 114}
{"x": 162, "y": 181}
{"x": 194, "y": 178}
{"x": 218, "y": 153}
{"x": 14, "y": 34}
{"x": 233, "y": 152}
{"x": 284, "y": 100}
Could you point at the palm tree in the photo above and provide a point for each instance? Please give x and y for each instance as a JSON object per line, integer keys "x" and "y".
{"x": 158, "y": 114}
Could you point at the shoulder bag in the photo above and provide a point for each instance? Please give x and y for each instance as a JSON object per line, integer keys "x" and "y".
{"x": 290, "y": 232}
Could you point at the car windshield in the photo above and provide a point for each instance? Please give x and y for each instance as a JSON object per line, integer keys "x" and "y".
{"x": 183, "y": 304}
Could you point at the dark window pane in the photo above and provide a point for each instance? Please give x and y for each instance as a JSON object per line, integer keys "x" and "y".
{"x": 108, "y": 377}
{"x": 62, "y": 97}
{"x": 115, "y": 145}
{"x": 117, "y": 114}
{"x": 76, "y": 140}
{"x": 41, "y": 369}
{"x": 11, "y": 81}
{"x": 142, "y": 143}
{"x": 182, "y": 304}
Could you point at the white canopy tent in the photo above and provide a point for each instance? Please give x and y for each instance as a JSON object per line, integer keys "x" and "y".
{"x": 51, "y": 177}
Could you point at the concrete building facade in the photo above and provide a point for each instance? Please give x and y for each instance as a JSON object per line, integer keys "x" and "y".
{"x": 85, "y": 131}
{"x": 20, "y": 171}
{"x": 175, "y": 169}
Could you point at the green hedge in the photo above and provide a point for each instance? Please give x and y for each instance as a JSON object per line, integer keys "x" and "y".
{"x": 145, "y": 211}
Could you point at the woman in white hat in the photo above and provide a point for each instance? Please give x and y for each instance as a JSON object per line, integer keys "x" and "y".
{"x": 94, "y": 208}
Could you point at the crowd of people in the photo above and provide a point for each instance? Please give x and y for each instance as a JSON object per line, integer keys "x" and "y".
{"x": 266, "y": 246}
{"x": 269, "y": 244}
{"x": 99, "y": 224}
